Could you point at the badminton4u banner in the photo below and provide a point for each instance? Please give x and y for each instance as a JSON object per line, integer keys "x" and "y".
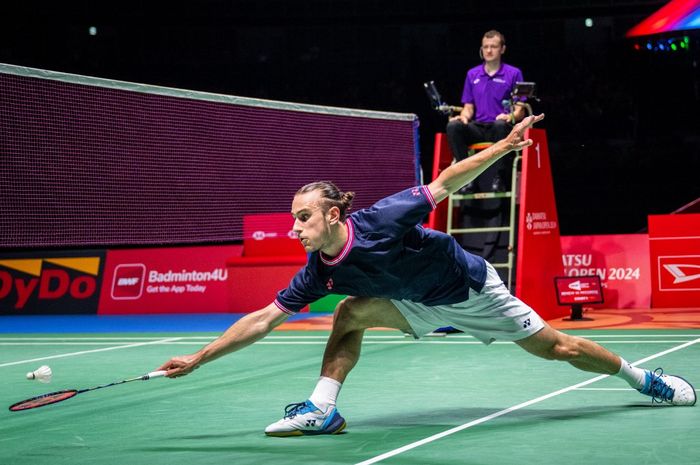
{"x": 50, "y": 282}
{"x": 167, "y": 280}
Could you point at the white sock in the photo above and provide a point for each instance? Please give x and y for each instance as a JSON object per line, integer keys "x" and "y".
{"x": 326, "y": 393}
{"x": 633, "y": 375}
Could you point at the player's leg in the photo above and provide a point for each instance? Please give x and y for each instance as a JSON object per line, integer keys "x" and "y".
{"x": 318, "y": 414}
{"x": 583, "y": 354}
{"x": 589, "y": 356}
{"x": 352, "y": 317}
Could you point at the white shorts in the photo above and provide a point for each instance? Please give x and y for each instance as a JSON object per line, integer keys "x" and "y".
{"x": 489, "y": 315}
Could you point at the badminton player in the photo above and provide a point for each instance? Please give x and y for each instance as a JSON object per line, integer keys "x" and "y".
{"x": 402, "y": 276}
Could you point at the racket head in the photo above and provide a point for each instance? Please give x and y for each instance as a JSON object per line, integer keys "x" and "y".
{"x": 42, "y": 400}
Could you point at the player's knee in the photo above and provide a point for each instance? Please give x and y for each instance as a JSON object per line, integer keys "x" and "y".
{"x": 558, "y": 346}
{"x": 348, "y": 313}
{"x": 565, "y": 349}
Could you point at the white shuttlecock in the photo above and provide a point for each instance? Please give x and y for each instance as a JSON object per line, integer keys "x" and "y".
{"x": 41, "y": 374}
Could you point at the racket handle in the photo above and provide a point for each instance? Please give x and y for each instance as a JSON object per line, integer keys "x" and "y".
{"x": 154, "y": 374}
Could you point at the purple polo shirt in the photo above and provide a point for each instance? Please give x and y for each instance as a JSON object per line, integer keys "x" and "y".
{"x": 487, "y": 93}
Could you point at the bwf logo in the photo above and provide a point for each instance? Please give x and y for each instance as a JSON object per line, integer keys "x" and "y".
{"x": 679, "y": 273}
{"x": 127, "y": 283}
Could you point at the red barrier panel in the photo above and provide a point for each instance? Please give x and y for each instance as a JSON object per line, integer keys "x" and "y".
{"x": 539, "y": 247}
{"x": 270, "y": 235}
{"x": 166, "y": 280}
{"x": 442, "y": 158}
{"x": 272, "y": 255}
{"x": 621, "y": 261}
{"x": 253, "y": 286}
{"x": 674, "y": 242}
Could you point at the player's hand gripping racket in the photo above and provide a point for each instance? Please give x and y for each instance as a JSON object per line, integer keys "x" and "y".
{"x": 58, "y": 396}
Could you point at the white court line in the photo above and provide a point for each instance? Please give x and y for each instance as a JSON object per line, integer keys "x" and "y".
{"x": 51, "y": 357}
{"x": 402, "y": 341}
{"x": 367, "y": 337}
{"x": 500, "y": 413}
{"x": 86, "y": 338}
{"x": 116, "y": 343}
{"x": 210, "y": 338}
{"x": 602, "y": 336}
{"x": 443, "y": 341}
{"x": 207, "y": 338}
{"x": 280, "y": 341}
{"x": 610, "y": 389}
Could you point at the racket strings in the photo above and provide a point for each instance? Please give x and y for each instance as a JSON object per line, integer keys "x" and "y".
{"x": 58, "y": 396}
{"x": 45, "y": 399}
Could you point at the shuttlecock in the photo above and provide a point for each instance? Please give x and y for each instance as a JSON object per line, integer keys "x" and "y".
{"x": 41, "y": 374}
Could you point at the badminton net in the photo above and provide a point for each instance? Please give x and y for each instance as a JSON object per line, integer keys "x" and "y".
{"x": 94, "y": 162}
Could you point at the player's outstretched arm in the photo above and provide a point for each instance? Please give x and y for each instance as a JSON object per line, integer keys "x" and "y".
{"x": 459, "y": 174}
{"x": 242, "y": 333}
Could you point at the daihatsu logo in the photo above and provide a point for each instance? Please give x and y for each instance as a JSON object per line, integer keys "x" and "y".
{"x": 679, "y": 273}
{"x": 683, "y": 272}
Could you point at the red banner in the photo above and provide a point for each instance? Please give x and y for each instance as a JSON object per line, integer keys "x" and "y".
{"x": 167, "y": 280}
{"x": 442, "y": 158}
{"x": 272, "y": 254}
{"x": 539, "y": 248}
{"x": 621, "y": 261}
{"x": 675, "y": 260}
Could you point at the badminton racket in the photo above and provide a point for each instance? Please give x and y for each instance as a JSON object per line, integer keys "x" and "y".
{"x": 59, "y": 396}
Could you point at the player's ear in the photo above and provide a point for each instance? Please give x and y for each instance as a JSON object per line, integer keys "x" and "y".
{"x": 503, "y": 49}
{"x": 333, "y": 215}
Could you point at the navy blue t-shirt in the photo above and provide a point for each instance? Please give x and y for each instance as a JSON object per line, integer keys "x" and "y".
{"x": 388, "y": 254}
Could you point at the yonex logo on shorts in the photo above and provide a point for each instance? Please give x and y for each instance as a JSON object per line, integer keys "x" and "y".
{"x": 128, "y": 281}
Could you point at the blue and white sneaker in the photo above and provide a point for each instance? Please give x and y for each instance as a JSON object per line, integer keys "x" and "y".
{"x": 305, "y": 418}
{"x": 668, "y": 389}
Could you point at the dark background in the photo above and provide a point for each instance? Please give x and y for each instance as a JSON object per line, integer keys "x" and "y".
{"x": 622, "y": 124}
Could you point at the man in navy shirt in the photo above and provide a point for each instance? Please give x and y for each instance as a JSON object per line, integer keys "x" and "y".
{"x": 399, "y": 275}
{"x": 483, "y": 117}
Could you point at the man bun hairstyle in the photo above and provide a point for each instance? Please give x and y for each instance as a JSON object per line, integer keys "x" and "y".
{"x": 331, "y": 196}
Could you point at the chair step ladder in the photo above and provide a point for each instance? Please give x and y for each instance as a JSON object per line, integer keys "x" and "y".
{"x": 455, "y": 199}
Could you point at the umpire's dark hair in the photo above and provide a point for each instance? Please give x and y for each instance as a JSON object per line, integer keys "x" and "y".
{"x": 331, "y": 195}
